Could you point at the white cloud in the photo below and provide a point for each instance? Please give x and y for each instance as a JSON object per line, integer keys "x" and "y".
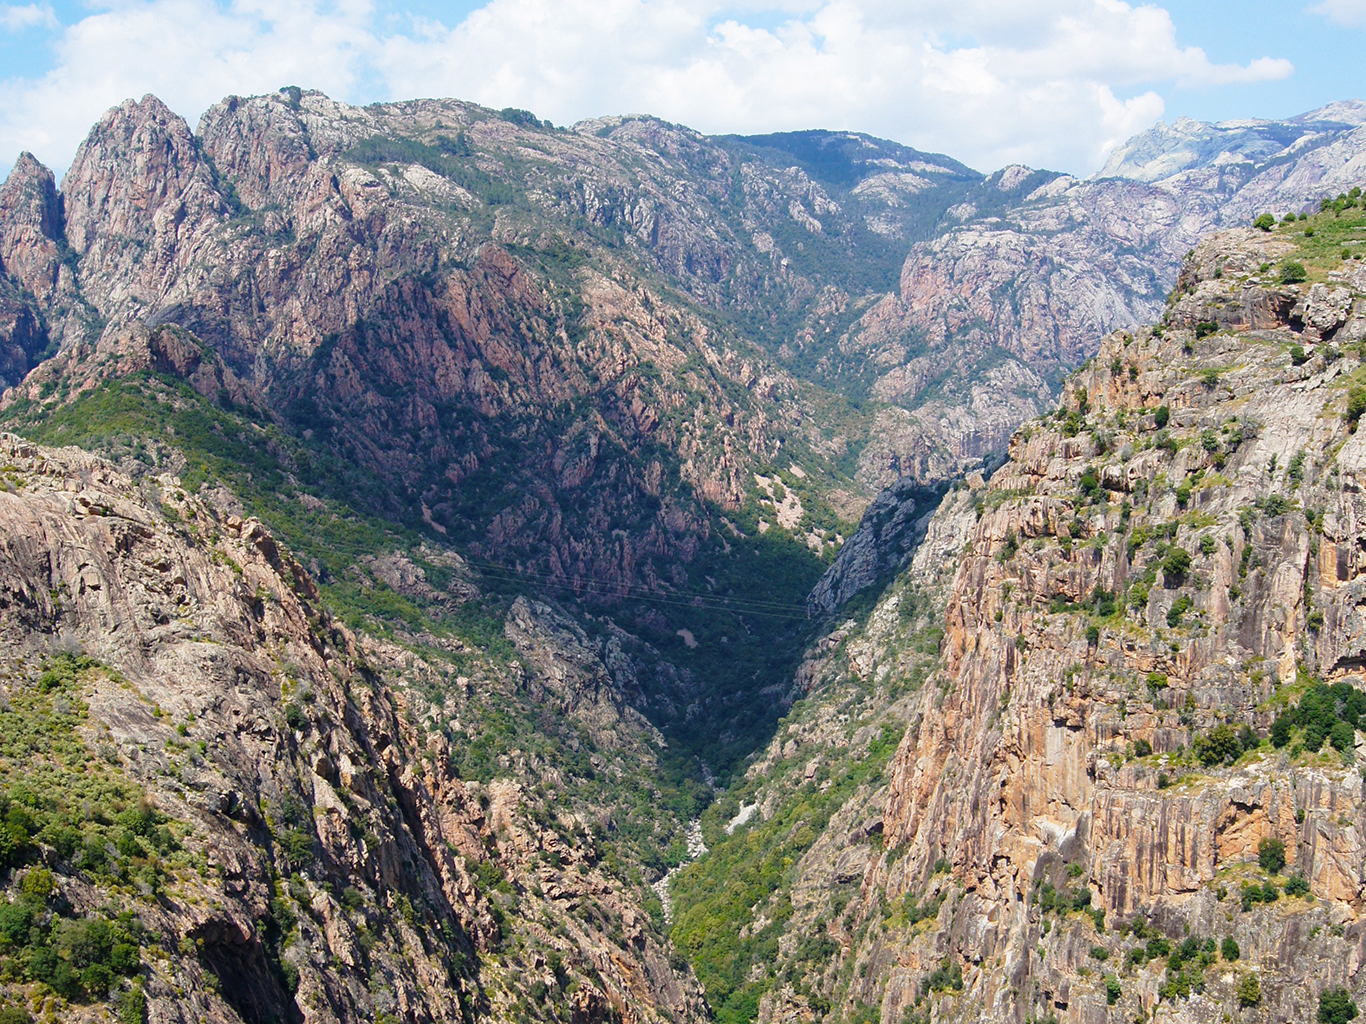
{"x": 1348, "y": 13}
{"x": 190, "y": 53}
{"x": 1048, "y": 82}
{"x": 14, "y": 18}
{"x": 1034, "y": 81}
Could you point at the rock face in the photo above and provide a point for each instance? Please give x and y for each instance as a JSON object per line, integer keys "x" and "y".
{"x": 1174, "y": 553}
{"x": 887, "y": 536}
{"x": 30, "y": 260}
{"x": 334, "y": 868}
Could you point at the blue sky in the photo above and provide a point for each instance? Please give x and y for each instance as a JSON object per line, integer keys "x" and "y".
{"x": 1053, "y": 83}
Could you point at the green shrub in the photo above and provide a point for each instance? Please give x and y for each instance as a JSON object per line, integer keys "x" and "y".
{"x": 1100, "y": 953}
{"x": 1293, "y": 272}
{"x": 946, "y": 977}
{"x": 1296, "y": 885}
{"x": 1112, "y": 990}
{"x": 1162, "y": 416}
{"x": 1249, "y": 991}
{"x": 1356, "y": 404}
{"x": 1271, "y": 854}
{"x": 133, "y": 1005}
{"x": 1342, "y": 736}
{"x": 1336, "y": 1007}
{"x": 295, "y": 717}
{"x": 1266, "y": 222}
{"x": 1142, "y": 748}
{"x": 1179, "y": 608}
{"x": 1218, "y": 745}
{"x": 1297, "y": 355}
{"x": 1229, "y": 950}
{"x": 1277, "y": 505}
{"x": 1280, "y": 729}
{"x": 1176, "y": 563}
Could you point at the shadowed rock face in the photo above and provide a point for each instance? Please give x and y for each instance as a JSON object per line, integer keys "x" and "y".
{"x": 886, "y": 539}
{"x": 30, "y": 260}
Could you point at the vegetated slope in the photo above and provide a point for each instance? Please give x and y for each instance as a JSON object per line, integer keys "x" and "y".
{"x": 221, "y": 804}
{"x": 1032, "y": 270}
{"x": 1133, "y": 779}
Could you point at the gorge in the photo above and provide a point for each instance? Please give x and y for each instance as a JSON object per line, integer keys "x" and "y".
{"x": 424, "y": 528}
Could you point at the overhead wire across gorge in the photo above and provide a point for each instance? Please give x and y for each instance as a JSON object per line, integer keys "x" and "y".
{"x": 746, "y": 606}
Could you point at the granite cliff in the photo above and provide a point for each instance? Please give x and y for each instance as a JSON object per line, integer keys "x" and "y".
{"x": 1113, "y": 670}
{"x": 264, "y": 807}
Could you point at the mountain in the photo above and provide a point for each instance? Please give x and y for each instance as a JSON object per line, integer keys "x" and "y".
{"x": 1011, "y": 295}
{"x": 1122, "y": 678}
{"x": 455, "y": 566}
{"x": 250, "y": 813}
{"x": 294, "y": 235}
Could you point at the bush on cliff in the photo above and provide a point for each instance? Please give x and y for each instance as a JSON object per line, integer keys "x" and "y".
{"x": 1336, "y": 1007}
{"x": 1217, "y": 746}
{"x": 1293, "y": 272}
{"x": 1271, "y": 854}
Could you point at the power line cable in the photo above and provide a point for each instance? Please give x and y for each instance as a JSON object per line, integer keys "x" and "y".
{"x": 748, "y": 606}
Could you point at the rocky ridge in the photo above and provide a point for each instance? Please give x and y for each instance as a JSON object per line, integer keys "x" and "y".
{"x": 1020, "y": 287}
{"x": 320, "y": 859}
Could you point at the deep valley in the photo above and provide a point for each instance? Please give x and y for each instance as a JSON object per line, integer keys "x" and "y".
{"x": 455, "y": 567}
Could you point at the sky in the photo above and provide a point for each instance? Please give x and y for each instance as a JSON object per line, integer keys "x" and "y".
{"x": 1049, "y": 83}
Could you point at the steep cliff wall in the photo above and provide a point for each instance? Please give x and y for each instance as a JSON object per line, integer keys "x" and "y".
{"x": 267, "y": 808}
{"x": 1163, "y": 569}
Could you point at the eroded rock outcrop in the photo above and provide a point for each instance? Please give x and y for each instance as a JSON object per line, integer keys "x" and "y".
{"x": 344, "y": 869}
{"x": 1168, "y": 562}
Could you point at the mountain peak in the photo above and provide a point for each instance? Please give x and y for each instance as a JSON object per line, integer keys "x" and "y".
{"x": 1351, "y": 112}
{"x": 1166, "y": 150}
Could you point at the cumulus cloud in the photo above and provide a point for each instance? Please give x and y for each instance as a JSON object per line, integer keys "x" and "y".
{"x": 15, "y": 18}
{"x": 1048, "y": 82}
{"x": 190, "y": 53}
{"x": 1347, "y": 13}
{"x": 1053, "y": 82}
